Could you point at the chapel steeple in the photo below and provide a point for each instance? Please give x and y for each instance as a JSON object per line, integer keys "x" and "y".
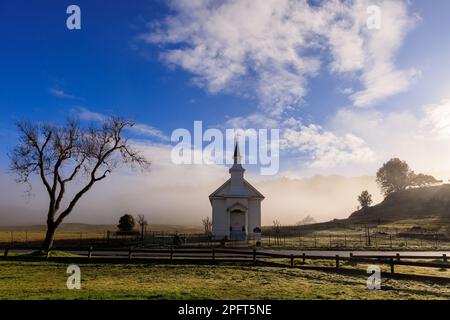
{"x": 237, "y": 166}
{"x": 237, "y": 171}
{"x": 237, "y": 154}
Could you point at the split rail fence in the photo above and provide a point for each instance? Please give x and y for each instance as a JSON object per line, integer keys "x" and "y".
{"x": 214, "y": 254}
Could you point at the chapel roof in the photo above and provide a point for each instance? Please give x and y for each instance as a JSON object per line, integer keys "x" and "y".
{"x": 248, "y": 191}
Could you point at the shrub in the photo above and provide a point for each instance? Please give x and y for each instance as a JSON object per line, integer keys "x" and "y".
{"x": 126, "y": 223}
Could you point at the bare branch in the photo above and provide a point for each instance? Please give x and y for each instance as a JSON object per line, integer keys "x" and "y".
{"x": 61, "y": 154}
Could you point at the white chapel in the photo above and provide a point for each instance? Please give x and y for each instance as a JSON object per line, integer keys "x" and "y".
{"x": 236, "y": 206}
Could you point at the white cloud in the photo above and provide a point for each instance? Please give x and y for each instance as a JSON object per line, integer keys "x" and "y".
{"x": 150, "y": 131}
{"x": 325, "y": 149}
{"x": 382, "y": 79}
{"x": 359, "y": 141}
{"x": 314, "y": 147}
{"x": 61, "y": 93}
{"x": 421, "y": 138}
{"x": 254, "y": 120}
{"x": 270, "y": 50}
{"x": 88, "y": 115}
{"x": 138, "y": 128}
{"x": 437, "y": 120}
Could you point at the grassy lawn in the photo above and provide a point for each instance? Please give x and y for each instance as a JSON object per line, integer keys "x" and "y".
{"x": 47, "y": 280}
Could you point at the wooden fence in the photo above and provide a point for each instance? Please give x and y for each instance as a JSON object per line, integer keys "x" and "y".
{"x": 355, "y": 240}
{"x": 103, "y": 238}
{"x": 299, "y": 241}
{"x": 214, "y": 254}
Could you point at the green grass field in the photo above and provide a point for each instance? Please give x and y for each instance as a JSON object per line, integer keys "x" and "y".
{"x": 47, "y": 280}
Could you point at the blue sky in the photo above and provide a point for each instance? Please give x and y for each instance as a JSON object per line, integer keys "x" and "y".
{"x": 120, "y": 63}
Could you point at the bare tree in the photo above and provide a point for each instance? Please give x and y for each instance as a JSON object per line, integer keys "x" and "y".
{"x": 143, "y": 225}
{"x": 207, "y": 225}
{"x": 70, "y": 154}
{"x": 277, "y": 229}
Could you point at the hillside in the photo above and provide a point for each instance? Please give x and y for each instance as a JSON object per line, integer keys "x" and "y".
{"x": 417, "y": 203}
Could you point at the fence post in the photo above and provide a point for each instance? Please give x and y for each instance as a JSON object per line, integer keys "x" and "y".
{"x": 90, "y": 252}
{"x": 130, "y": 253}
{"x": 398, "y": 256}
{"x": 254, "y": 255}
{"x": 292, "y": 260}
{"x": 444, "y": 256}
{"x": 6, "y": 252}
{"x": 303, "y": 258}
{"x": 214, "y": 254}
{"x": 337, "y": 261}
{"x": 392, "y": 265}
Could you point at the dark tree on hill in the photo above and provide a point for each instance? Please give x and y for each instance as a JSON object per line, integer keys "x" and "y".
{"x": 126, "y": 223}
{"x": 394, "y": 176}
{"x": 365, "y": 199}
{"x": 70, "y": 155}
{"x": 306, "y": 220}
{"x": 422, "y": 180}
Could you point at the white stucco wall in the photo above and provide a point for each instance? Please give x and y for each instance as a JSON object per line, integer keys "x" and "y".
{"x": 220, "y": 228}
{"x": 254, "y": 215}
{"x": 221, "y": 222}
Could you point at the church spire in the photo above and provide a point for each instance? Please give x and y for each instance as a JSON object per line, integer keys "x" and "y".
{"x": 237, "y": 166}
{"x": 237, "y": 154}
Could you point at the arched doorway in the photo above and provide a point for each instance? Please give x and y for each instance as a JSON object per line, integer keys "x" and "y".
{"x": 237, "y": 225}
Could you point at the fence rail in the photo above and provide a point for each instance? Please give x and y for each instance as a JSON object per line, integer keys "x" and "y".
{"x": 214, "y": 254}
{"x": 355, "y": 240}
{"x": 302, "y": 241}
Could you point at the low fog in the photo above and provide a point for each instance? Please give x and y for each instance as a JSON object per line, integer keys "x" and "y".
{"x": 171, "y": 194}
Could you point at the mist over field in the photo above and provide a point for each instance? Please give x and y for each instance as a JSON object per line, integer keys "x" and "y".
{"x": 171, "y": 194}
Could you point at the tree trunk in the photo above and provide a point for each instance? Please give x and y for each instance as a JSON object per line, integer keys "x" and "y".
{"x": 49, "y": 237}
